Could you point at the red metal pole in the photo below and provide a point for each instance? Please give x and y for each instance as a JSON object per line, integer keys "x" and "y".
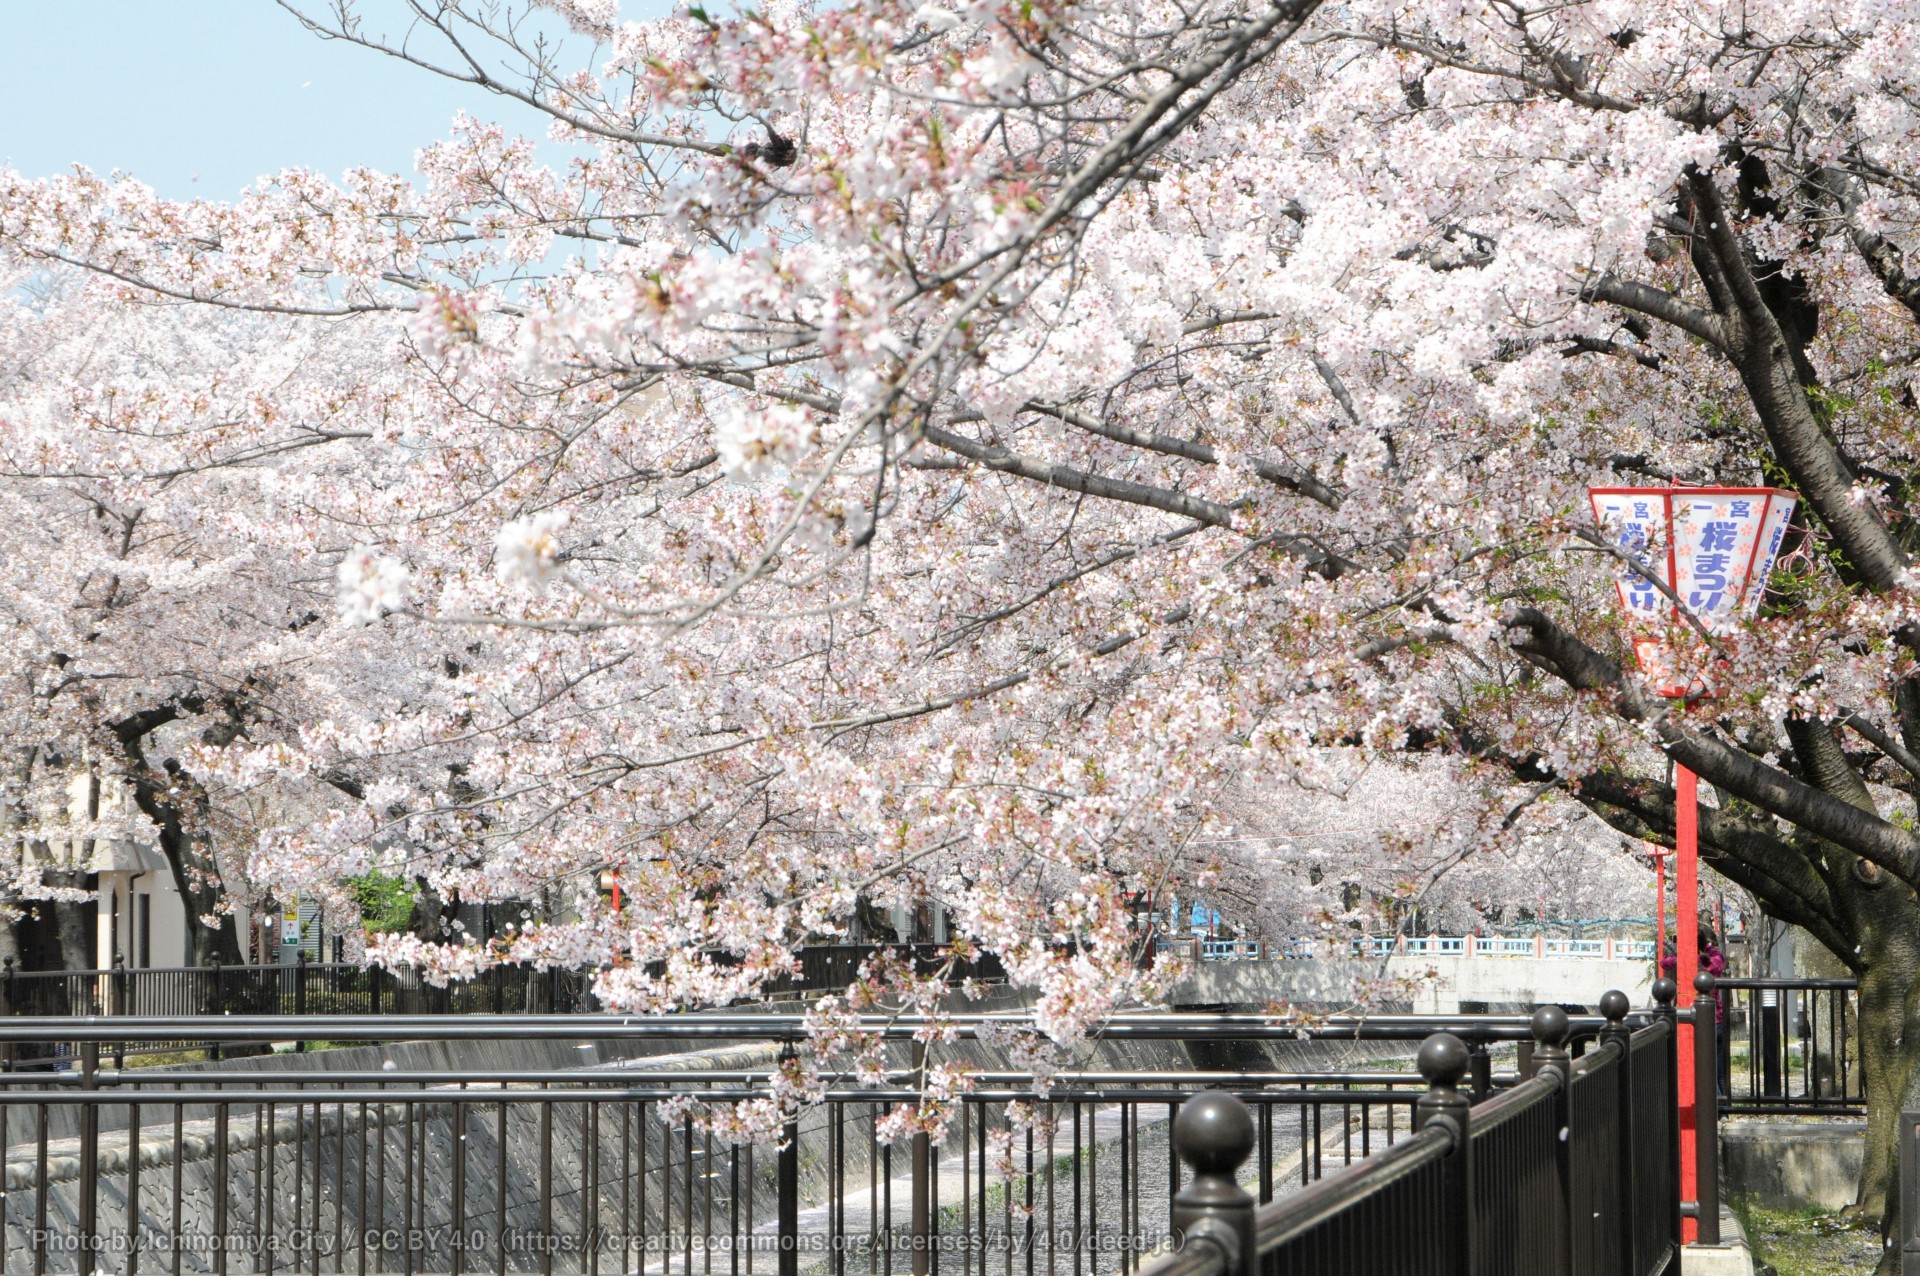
{"x": 1686, "y": 935}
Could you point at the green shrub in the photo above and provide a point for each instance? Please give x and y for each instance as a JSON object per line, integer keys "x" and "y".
{"x": 386, "y": 903}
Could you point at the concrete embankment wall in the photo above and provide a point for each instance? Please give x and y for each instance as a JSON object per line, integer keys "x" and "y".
{"x": 299, "y": 1167}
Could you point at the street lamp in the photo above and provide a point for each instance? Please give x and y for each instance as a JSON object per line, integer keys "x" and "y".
{"x": 1698, "y": 555}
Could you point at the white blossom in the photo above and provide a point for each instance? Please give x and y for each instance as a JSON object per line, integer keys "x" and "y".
{"x": 369, "y": 586}
{"x": 527, "y": 550}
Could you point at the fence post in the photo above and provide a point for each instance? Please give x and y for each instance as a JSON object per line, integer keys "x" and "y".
{"x": 6, "y": 986}
{"x": 89, "y": 1160}
{"x": 1443, "y": 1060}
{"x": 120, "y": 1006}
{"x": 922, "y": 1184}
{"x": 1614, "y": 1005}
{"x": 1767, "y": 1042}
{"x": 1706, "y": 1107}
{"x": 1550, "y": 1030}
{"x": 787, "y": 1187}
{"x": 1664, "y": 992}
{"x": 213, "y": 1006}
{"x": 1480, "y": 1066}
{"x": 1214, "y": 1136}
{"x": 300, "y": 994}
{"x": 1909, "y": 1194}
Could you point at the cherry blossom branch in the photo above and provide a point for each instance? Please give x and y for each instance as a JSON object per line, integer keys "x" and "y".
{"x": 1599, "y": 541}
{"x": 1069, "y": 479}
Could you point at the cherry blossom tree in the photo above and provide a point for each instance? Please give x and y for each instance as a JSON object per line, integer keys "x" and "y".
{"x": 165, "y": 469}
{"x": 946, "y": 450}
{"x": 1415, "y": 844}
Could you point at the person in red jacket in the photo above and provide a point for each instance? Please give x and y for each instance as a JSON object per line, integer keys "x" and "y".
{"x": 1713, "y": 962}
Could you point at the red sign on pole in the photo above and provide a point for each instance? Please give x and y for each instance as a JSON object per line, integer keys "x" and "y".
{"x": 1699, "y": 554}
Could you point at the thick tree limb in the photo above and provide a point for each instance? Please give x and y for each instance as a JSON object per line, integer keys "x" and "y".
{"x": 1891, "y": 847}
{"x": 1766, "y": 366}
{"x": 1881, "y": 741}
{"x": 1742, "y": 846}
{"x": 1659, "y": 304}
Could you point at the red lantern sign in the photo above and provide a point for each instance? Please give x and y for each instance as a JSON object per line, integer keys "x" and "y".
{"x": 1710, "y": 547}
{"x": 1711, "y": 550}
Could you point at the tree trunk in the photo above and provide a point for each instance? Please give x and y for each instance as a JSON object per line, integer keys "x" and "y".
{"x": 9, "y": 946}
{"x": 190, "y": 861}
{"x": 13, "y": 817}
{"x": 70, "y": 924}
{"x": 1889, "y": 1040}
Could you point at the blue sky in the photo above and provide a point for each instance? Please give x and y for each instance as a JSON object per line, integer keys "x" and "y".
{"x": 199, "y": 97}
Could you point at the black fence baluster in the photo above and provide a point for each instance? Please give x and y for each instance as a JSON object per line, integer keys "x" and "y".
{"x": 89, "y": 1159}
{"x": 1614, "y": 1005}
{"x": 1552, "y": 1061}
{"x": 1909, "y": 1222}
{"x": 1664, "y": 992}
{"x": 787, "y": 1188}
{"x": 1443, "y": 1060}
{"x": 1706, "y": 1106}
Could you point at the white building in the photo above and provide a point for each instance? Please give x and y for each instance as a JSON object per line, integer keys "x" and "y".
{"x": 138, "y": 917}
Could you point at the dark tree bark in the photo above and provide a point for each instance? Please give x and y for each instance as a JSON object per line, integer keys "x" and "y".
{"x": 177, "y": 805}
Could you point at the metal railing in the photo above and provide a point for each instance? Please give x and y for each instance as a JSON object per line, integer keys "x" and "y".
{"x": 1204, "y": 948}
{"x": 1573, "y": 1172}
{"x": 304, "y": 987}
{"x": 295, "y": 988}
{"x": 1790, "y": 1047}
{"x": 605, "y": 1168}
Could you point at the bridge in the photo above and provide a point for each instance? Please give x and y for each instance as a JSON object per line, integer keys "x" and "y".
{"x": 1437, "y": 975}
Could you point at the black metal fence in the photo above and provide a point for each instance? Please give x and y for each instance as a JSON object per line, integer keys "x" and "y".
{"x": 1791, "y": 1047}
{"x": 296, "y": 988}
{"x": 1575, "y": 1171}
{"x": 305, "y": 988}
{"x": 606, "y": 1169}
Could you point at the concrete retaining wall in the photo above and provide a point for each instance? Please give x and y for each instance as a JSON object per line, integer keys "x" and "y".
{"x": 1797, "y": 1166}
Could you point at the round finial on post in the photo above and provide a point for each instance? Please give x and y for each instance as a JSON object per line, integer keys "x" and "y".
{"x": 1213, "y": 1133}
{"x": 1550, "y": 1026}
{"x": 1551, "y": 1029}
{"x": 1664, "y": 992}
{"x": 1703, "y": 984}
{"x": 1616, "y": 1005}
{"x": 1443, "y": 1059}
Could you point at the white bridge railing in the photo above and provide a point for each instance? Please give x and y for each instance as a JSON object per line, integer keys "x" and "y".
{"x": 1202, "y": 948}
